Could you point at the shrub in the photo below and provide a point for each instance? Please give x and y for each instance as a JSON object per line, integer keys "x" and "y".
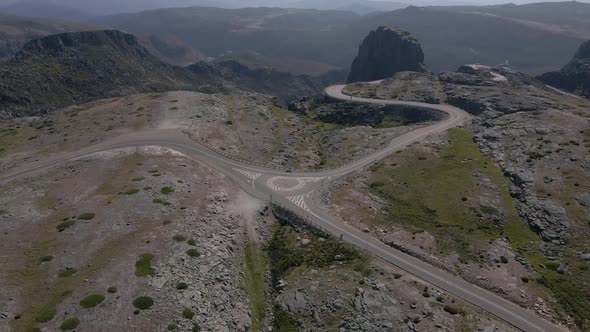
{"x": 440, "y": 299}
{"x": 167, "y": 190}
{"x": 112, "y": 289}
{"x": 131, "y": 191}
{"x": 65, "y": 225}
{"x": 503, "y": 259}
{"x": 489, "y": 210}
{"x": 181, "y": 285}
{"x": 70, "y": 324}
{"x": 196, "y": 327}
{"x": 451, "y": 309}
{"x": 153, "y": 171}
{"x": 179, "y": 238}
{"x": 171, "y": 327}
{"x": 86, "y": 216}
{"x": 45, "y": 314}
{"x": 143, "y": 266}
{"x": 193, "y": 253}
{"x": 91, "y": 300}
{"x": 524, "y": 279}
{"x": 192, "y": 242}
{"x": 188, "y": 313}
{"x": 67, "y": 272}
{"x": 377, "y": 184}
{"x": 425, "y": 294}
{"x": 397, "y": 275}
{"x": 141, "y": 178}
{"x": 362, "y": 267}
{"x": 160, "y": 201}
{"x": 143, "y": 302}
{"x": 166, "y": 222}
{"x": 45, "y": 259}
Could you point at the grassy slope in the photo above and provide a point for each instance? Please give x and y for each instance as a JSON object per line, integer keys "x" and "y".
{"x": 425, "y": 194}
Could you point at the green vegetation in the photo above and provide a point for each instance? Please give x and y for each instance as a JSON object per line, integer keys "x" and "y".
{"x": 192, "y": 242}
{"x": 451, "y": 309}
{"x": 15, "y": 137}
{"x": 70, "y": 324}
{"x": 188, "y": 313}
{"x": 287, "y": 255}
{"x": 283, "y": 322}
{"x": 193, "y": 253}
{"x": 181, "y": 285}
{"x": 143, "y": 266}
{"x": 143, "y": 302}
{"x": 179, "y": 238}
{"x": 45, "y": 314}
{"x": 255, "y": 265}
{"x": 167, "y": 190}
{"x": 112, "y": 289}
{"x": 160, "y": 201}
{"x": 171, "y": 327}
{"x": 87, "y": 216}
{"x": 67, "y": 272}
{"x": 431, "y": 196}
{"x": 141, "y": 178}
{"x": 131, "y": 191}
{"x": 65, "y": 225}
{"x": 46, "y": 259}
{"x": 91, "y": 300}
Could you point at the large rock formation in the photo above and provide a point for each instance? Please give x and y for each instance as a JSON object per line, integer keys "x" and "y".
{"x": 575, "y": 76}
{"x": 384, "y": 52}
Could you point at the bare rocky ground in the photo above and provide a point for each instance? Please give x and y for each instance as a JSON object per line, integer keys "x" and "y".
{"x": 245, "y": 126}
{"x": 407, "y": 85}
{"x": 188, "y": 218}
{"x": 539, "y": 141}
{"x": 123, "y": 224}
{"x": 89, "y": 245}
{"x": 337, "y": 298}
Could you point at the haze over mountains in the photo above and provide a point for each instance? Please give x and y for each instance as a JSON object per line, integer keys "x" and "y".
{"x": 75, "y": 10}
{"x": 533, "y": 38}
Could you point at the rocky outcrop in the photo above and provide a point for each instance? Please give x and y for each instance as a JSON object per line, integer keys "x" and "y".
{"x": 384, "y": 52}
{"x": 478, "y": 88}
{"x": 575, "y": 76}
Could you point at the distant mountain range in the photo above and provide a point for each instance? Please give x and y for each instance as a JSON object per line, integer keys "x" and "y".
{"x": 80, "y": 9}
{"x": 533, "y": 38}
{"x": 449, "y": 37}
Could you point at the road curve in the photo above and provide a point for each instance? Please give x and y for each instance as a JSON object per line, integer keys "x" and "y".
{"x": 255, "y": 179}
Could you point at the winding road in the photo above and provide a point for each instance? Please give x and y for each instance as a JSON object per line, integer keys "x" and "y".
{"x": 295, "y": 191}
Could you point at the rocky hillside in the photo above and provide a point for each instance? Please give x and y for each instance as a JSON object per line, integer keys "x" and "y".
{"x": 16, "y": 31}
{"x": 73, "y": 68}
{"x": 575, "y": 76}
{"x": 265, "y": 80}
{"x": 77, "y": 67}
{"x": 384, "y": 52}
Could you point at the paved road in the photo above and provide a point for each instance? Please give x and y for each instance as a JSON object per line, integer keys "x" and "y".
{"x": 296, "y": 192}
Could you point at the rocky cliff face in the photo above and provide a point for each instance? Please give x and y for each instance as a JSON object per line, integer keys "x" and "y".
{"x": 383, "y": 53}
{"x": 575, "y": 76}
{"x": 77, "y": 67}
